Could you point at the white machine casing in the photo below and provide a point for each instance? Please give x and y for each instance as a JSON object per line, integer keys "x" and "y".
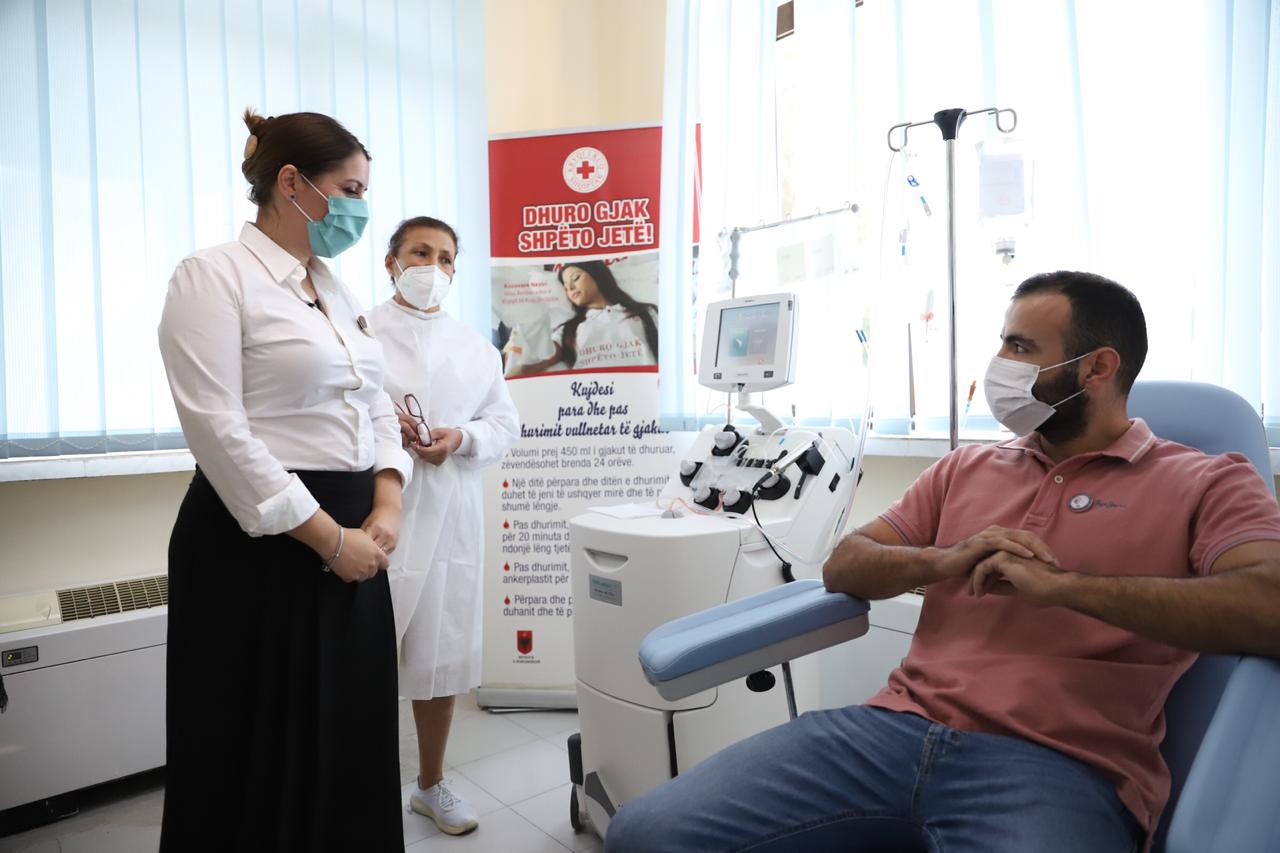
{"x": 630, "y": 576}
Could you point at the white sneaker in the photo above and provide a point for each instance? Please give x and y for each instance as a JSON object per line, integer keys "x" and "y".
{"x": 450, "y": 812}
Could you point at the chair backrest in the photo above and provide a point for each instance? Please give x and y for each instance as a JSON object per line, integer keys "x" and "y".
{"x": 1213, "y": 420}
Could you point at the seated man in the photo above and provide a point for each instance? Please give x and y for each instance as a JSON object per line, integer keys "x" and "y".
{"x": 1073, "y": 573}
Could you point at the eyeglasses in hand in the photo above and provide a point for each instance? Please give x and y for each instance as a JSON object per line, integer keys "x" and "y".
{"x": 413, "y": 409}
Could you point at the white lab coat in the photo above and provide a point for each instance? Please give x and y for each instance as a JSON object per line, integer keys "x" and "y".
{"x": 436, "y": 569}
{"x": 608, "y": 337}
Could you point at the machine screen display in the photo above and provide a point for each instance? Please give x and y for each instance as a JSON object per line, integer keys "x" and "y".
{"x": 748, "y": 335}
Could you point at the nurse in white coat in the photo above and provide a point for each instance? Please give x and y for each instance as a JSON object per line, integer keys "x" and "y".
{"x": 456, "y": 417}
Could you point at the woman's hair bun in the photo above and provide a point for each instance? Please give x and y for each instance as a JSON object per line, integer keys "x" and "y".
{"x": 253, "y": 121}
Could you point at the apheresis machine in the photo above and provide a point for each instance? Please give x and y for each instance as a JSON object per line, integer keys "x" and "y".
{"x": 749, "y": 508}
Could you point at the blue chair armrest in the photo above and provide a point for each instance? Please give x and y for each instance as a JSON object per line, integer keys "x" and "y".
{"x": 733, "y": 640}
{"x": 1229, "y": 800}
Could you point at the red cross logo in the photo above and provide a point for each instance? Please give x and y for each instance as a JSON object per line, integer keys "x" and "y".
{"x": 585, "y": 169}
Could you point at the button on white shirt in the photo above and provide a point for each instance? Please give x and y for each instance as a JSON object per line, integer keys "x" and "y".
{"x": 264, "y": 384}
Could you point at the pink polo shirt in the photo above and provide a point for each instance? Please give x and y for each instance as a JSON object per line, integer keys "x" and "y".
{"x": 997, "y": 664}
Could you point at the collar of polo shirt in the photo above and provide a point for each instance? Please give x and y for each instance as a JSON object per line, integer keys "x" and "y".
{"x": 1130, "y": 447}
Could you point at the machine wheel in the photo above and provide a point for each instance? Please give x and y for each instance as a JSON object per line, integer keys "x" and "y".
{"x": 575, "y": 818}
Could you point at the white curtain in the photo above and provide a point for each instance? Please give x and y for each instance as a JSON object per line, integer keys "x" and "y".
{"x": 680, "y": 199}
{"x": 123, "y": 155}
{"x": 723, "y": 110}
{"x": 720, "y": 75}
{"x": 1151, "y": 130}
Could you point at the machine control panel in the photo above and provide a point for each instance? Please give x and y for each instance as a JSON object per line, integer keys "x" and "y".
{"x": 739, "y": 466}
{"x": 730, "y": 471}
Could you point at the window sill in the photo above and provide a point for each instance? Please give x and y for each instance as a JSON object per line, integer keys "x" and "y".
{"x": 168, "y": 461}
{"x": 920, "y": 446}
{"x": 95, "y": 465}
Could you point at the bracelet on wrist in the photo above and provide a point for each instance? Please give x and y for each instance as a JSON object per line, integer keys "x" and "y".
{"x": 328, "y": 564}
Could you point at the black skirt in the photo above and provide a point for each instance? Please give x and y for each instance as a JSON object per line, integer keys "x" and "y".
{"x": 282, "y": 720}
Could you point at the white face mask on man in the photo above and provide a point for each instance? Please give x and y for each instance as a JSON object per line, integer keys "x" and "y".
{"x": 423, "y": 287}
{"x": 1008, "y": 385}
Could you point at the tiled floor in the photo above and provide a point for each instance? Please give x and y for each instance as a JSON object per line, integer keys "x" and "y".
{"x": 512, "y": 766}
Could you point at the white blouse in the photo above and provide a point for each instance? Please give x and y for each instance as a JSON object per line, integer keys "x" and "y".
{"x": 265, "y": 384}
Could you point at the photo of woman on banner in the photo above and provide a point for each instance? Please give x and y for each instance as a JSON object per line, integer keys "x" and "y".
{"x": 609, "y": 326}
{"x": 456, "y": 418}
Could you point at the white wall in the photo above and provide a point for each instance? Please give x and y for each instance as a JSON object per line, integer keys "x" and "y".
{"x": 60, "y": 533}
{"x": 573, "y": 63}
{"x": 884, "y": 480}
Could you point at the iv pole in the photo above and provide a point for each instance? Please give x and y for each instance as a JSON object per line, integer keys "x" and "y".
{"x": 949, "y": 121}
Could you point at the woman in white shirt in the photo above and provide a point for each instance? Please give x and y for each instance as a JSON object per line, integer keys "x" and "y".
{"x": 609, "y": 327}
{"x": 457, "y": 418}
{"x": 282, "y": 706}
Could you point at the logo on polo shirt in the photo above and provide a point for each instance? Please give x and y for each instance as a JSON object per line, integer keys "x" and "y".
{"x": 1084, "y": 502}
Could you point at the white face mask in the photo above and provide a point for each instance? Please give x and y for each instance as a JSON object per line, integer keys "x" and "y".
{"x": 423, "y": 287}
{"x": 1008, "y": 385}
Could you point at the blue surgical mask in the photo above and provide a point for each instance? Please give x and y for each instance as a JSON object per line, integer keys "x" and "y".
{"x": 341, "y": 227}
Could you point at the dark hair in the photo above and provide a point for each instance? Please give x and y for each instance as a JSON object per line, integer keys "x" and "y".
{"x": 312, "y": 142}
{"x": 614, "y": 295}
{"x": 1103, "y": 314}
{"x": 402, "y": 232}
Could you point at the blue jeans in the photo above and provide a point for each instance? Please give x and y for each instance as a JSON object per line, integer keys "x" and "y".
{"x": 862, "y": 778}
